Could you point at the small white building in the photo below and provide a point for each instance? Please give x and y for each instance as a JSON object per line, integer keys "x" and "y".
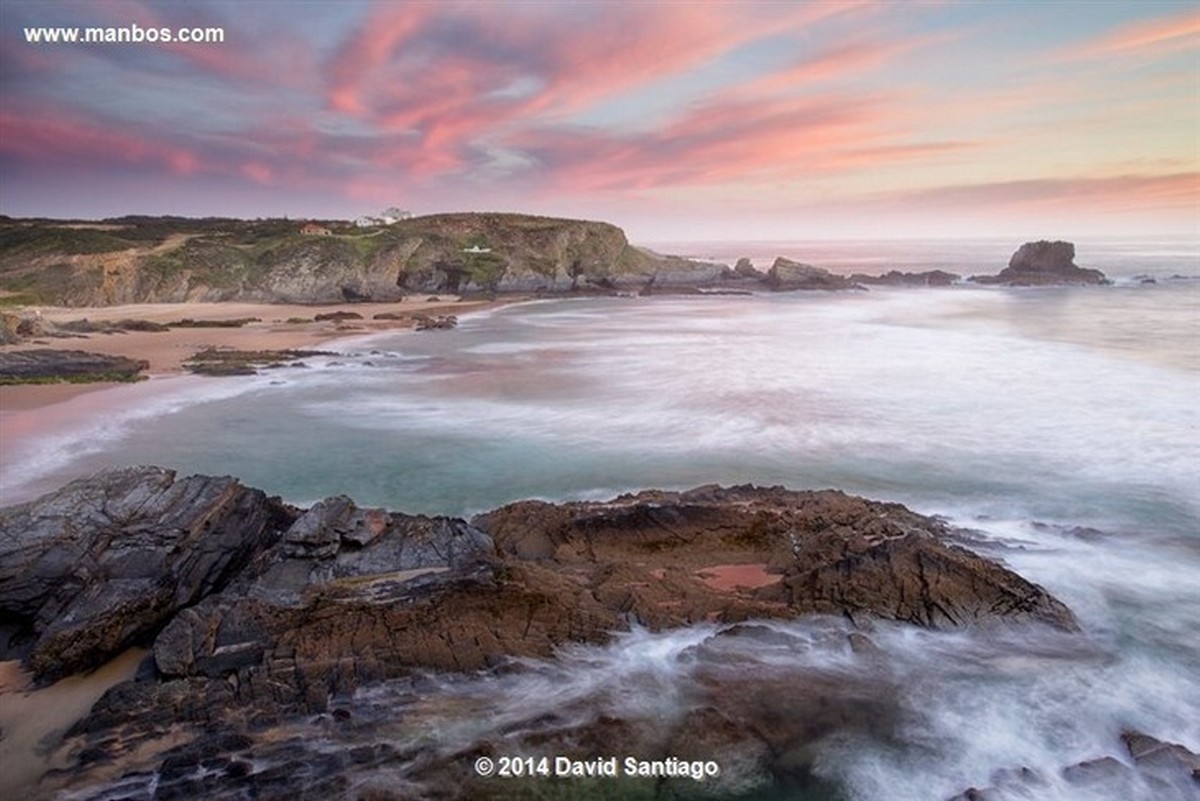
{"x": 476, "y": 249}
{"x": 367, "y": 222}
{"x": 392, "y": 215}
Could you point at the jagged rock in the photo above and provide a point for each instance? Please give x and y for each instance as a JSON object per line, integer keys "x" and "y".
{"x": 786, "y": 275}
{"x": 1171, "y": 769}
{"x": 261, "y": 614}
{"x": 823, "y": 552}
{"x": 44, "y": 365}
{"x": 1043, "y": 263}
{"x": 105, "y": 562}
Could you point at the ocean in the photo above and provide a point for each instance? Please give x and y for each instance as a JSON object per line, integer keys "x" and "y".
{"x": 1059, "y": 424}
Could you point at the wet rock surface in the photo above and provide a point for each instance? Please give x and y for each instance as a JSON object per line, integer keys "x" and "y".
{"x": 1168, "y": 770}
{"x": 261, "y": 616}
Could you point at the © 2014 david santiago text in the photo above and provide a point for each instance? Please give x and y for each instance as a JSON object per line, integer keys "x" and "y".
{"x": 128, "y": 34}
{"x": 508, "y": 767}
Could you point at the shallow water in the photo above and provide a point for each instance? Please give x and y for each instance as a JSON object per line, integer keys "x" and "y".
{"x": 1061, "y": 424}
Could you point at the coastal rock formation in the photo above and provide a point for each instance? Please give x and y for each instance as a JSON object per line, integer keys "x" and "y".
{"x": 259, "y": 614}
{"x": 747, "y": 552}
{"x": 786, "y": 274}
{"x": 1170, "y": 768}
{"x": 156, "y": 260}
{"x": 93, "y": 568}
{"x": 45, "y": 365}
{"x": 1043, "y": 263}
{"x": 147, "y": 260}
{"x": 897, "y": 278}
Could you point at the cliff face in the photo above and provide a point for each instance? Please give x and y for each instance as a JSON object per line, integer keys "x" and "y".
{"x": 145, "y": 260}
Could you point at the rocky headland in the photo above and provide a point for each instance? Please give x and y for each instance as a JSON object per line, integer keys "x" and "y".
{"x": 259, "y": 615}
{"x": 1043, "y": 263}
{"x": 139, "y": 260}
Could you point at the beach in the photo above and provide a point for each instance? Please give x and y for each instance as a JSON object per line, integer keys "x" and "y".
{"x": 167, "y": 351}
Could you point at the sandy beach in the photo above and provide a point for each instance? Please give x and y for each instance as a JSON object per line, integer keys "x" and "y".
{"x": 166, "y": 351}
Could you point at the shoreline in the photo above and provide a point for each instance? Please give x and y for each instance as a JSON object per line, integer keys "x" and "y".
{"x": 166, "y": 351}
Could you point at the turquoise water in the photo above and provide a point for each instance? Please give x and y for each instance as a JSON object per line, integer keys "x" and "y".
{"x": 1024, "y": 414}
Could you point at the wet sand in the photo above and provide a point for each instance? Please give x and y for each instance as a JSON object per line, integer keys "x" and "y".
{"x": 33, "y": 721}
{"x": 166, "y": 351}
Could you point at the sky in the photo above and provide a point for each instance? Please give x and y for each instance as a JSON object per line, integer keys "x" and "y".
{"x": 675, "y": 120}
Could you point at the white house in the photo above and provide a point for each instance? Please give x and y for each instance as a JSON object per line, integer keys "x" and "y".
{"x": 388, "y": 216}
{"x": 393, "y": 215}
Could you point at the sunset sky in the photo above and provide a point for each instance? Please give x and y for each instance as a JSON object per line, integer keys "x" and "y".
{"x": 680, "y": 120}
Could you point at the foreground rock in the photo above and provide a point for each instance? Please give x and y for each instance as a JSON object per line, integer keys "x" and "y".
{"x": 1043, "y": 263}
{"x": 98, "y": 566}
{"x": 47, "y": 366}
{"x": 1171, "y": 770}
{"x": 259, "y": 613}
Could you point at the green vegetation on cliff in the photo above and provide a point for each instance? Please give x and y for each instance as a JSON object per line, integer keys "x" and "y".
{"x": 145, "y": 259}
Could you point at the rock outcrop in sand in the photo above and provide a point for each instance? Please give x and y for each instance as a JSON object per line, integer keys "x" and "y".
{"x": 258, "y": 612}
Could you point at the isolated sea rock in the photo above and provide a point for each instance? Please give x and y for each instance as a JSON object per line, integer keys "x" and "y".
{"x": 45, "y": 365}
{"x": 787, "y": 275}
{"x": 1043, "y": 263}
{"x": 89, "y": 570}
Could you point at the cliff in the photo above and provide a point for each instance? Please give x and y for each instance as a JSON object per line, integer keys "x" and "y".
{"x": 147, "y": 260}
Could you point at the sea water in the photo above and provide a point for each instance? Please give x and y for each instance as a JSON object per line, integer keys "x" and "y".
{"x": 1061, "y": 424}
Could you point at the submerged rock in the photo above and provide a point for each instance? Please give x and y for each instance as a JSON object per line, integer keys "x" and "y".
{"x": 1043, "y": 263}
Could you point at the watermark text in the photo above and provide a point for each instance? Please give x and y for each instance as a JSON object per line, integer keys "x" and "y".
{"x": 127, "y": 34}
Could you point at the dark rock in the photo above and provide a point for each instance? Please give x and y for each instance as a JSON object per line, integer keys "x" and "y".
{"x": 45, "y": 365}
{"x": 786, "y": 275}
{"x": 1153, "y": 755}
{"x": 897, "y": 278}
{"x": 1043, "y": 263}
{"x": 746, "y": 269}
{"x": 261, "y": 614}
{"x": 338, "y": 316}
{"x": 105, "y": 562}
{"x": 425, "y": 322}
{"x": 833, "y": 553}
{"x": 390, "y": 316}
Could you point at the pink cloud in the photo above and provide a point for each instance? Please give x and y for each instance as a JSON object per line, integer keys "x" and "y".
{"x": 1114, "y": 194}
{"x": 52, "y": 137}
{"x": 1161, "y": 36}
